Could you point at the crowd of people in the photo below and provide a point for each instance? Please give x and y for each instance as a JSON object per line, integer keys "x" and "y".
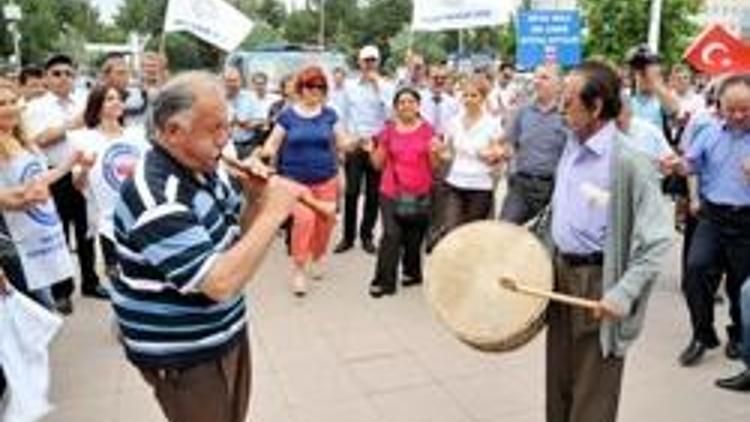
{"x": 591, "y": 158}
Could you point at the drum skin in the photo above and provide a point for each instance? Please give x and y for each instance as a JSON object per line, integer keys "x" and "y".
{"x": 461, "y": 284}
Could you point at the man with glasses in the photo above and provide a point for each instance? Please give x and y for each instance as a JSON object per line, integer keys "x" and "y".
{"x": 368, "y": 99}
{"x": 48, "y": 120}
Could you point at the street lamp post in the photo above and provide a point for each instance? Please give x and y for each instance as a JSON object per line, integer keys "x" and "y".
{"x": 13, "y": 15}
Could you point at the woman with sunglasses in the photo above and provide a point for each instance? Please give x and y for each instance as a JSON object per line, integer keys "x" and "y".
{"x": 304, "y": 144}
{"x": 405, "y": 154}
{"x": 475, "y": 150}
{"x": 115, "y": 151}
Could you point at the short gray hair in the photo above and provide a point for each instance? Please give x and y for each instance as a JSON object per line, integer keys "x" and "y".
{"x": 177, "y": 97}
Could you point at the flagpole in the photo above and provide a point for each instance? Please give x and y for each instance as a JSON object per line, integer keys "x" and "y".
{"x": 163, "y": 37}
{"x": 655, "y": 25}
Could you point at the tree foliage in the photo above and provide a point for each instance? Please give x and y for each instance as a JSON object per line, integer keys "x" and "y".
{"x": 55, "y": 25}
{"x": 614, "y": 26}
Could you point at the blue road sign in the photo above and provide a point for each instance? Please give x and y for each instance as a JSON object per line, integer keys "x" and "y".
{"x": 544, "y": 36}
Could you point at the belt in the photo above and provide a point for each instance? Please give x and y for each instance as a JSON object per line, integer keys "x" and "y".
{"x": 582, "y": 260}
{"x": 544, "y": 178}
{"x": 739, "y": 210}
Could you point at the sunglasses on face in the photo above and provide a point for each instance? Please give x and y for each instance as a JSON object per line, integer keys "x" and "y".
{"x": 370, "y": 60}
{"x": 320, "y": 87}
{"x": 60, "y": 73}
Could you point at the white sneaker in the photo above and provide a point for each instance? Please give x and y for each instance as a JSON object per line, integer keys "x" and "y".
{"x": 299, "y": 284}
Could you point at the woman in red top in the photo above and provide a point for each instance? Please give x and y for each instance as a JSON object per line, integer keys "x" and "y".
{"x": 405, "y": 152}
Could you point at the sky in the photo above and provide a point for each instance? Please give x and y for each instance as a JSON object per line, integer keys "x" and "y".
{"x": 108, "y": 8}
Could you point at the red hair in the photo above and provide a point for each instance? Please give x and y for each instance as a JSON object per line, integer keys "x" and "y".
{"x": 310, "y": 76}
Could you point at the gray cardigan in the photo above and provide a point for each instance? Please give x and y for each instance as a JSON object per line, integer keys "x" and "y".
{"x": 640, "y": 236}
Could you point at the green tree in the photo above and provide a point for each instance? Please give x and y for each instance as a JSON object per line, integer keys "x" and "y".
{"x": 142, "y": 16}
{"x": 614, "y": 26}
{"x": 46, "y": 22}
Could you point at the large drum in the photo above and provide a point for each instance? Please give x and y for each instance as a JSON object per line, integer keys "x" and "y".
{"x": 462, "y": 284}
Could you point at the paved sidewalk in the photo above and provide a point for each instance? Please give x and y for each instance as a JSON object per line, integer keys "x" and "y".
{"x": 340, "y": 356}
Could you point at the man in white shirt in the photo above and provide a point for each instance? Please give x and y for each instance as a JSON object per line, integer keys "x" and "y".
{"x": 438, "y": 106}
{"x": 368, "y": 104}
{"x": 47, "y": 120}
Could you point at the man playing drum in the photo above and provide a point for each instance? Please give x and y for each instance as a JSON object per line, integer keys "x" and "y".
{"x": 611, "y": 231}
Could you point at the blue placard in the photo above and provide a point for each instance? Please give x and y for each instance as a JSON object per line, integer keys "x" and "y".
{"x": 544, "y": 36}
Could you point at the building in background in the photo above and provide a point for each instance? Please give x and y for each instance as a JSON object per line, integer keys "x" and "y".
{"x": 733, "y": 14}
{"x": 553, "y": 4}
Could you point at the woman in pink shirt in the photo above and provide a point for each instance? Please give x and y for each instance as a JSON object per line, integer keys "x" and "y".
{"x": 405, "y": 152}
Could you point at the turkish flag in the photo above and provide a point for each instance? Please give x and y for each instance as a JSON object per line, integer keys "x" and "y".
{"x": 716, "y": 51}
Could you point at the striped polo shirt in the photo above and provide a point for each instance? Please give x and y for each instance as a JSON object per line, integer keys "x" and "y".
{"x": 170, "y": 227}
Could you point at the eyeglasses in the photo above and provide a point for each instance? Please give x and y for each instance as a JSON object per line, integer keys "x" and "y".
{"x": 61, "y": 73}
{"x": 369, "y": 59}
{"x": 321, "y": 87}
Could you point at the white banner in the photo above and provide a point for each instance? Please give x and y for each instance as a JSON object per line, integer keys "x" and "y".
{"x": 438, "y": 15}
{"x": 213, "y": 21}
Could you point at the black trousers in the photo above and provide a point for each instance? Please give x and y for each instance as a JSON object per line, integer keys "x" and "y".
{"x": 359, "y": 171}
{"x": 466, "y": 205}
{"x": 71, "y": 205}
{"x": 721, "y": 240}
{"x": 526, "y": 198}
{"x": 401, "y": 241}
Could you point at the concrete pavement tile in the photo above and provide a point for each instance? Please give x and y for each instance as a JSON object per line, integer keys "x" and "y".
{"x": 389, "y": 373}
{"x": 494, "y": 395}
{"x": 420, "y": 404}
{"x": 356, "y": 343}
{"x": 357, "y": 410}
{"x": 314, "y": 383}
{"x": 88, "y": 409}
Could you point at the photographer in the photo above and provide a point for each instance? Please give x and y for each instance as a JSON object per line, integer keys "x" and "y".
{"x": 651, "y": 99}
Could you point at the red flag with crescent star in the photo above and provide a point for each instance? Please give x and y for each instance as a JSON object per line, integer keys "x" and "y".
{"x": 716, "y": 51}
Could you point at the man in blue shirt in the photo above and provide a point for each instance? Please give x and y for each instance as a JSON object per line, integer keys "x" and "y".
{"x": 720, "y": 157}
{"x": 241, "y": 110}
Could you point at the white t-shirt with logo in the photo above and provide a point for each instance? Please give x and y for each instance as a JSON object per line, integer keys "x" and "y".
{"x": 37, "y": 232}
{"x": 115, "y": 160}
{"x": 468, "y": 171}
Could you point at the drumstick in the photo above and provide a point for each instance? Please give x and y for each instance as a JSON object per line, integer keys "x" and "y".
{"x": 515, "y": 286}
{"x": 308, "y": 200}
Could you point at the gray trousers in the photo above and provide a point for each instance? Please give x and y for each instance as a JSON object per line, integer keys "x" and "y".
{"x": 526, "y": 198}
{"x": 582, "y": 386}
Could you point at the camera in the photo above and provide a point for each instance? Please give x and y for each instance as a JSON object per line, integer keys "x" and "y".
{"x": 640, "y": 57}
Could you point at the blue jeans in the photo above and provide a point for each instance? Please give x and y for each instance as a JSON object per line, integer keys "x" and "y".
{"x": 745, "y": 307}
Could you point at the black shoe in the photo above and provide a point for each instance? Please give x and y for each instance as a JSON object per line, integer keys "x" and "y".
{"x": 97, "y": 292}
{"x": 739, "y": 382}
{"x": 408, "y": 281}
{"x": 693, "y": 353}
{"x": 64, "y": 305}
{"x": 732, "y": 350}
{"x": 376, "y": 291}
{"x": 343, "y": 246}
{"x": 368, "y": 246}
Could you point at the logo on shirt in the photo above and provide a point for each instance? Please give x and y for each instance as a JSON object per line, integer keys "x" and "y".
{"x": 42, "y": 214}
{"x": 118, "y": 163}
